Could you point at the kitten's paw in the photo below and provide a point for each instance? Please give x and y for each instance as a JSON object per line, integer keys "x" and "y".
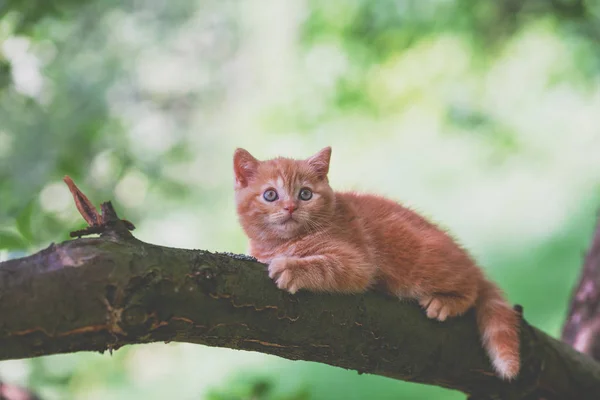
{"x": 282, "y": 274}
{"x": 436, "y": 307}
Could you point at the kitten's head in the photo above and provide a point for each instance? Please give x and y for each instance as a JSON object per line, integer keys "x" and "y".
{"x": 282, "y": 198}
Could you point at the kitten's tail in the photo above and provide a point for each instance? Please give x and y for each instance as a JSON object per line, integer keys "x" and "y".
{"x": 499, "y": 328}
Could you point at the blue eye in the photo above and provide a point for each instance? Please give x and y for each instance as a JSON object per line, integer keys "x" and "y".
{"x": 270, "y": 195}
{"x": 305, "y": 194}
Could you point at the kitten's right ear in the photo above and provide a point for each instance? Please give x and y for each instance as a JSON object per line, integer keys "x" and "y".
{"x": 244, "y": 166}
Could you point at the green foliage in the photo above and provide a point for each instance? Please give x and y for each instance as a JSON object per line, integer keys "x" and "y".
{"x": 481, "y": 114}
{"x": 10, "y": 240}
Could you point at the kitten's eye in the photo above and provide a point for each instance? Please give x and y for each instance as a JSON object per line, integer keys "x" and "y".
{"x": 270, "y": 195}
{"x": 305, "y": 194}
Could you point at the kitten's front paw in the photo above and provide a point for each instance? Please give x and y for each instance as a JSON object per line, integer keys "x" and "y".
{"x": 438, "y": 307}
{"x": 280, "y": 270}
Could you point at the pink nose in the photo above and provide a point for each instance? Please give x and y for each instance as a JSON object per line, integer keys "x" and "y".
{"x": 291, "y": 207}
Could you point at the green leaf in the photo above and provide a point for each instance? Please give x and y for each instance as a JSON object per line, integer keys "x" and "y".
{"x": 12, "y": 241}
{"x": 23, "y": 221}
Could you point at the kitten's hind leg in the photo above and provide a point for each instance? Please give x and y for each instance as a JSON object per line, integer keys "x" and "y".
{"x": 441, "y": 306}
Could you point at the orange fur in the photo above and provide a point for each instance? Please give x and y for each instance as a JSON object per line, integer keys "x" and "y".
{"x": 348, "y": 242}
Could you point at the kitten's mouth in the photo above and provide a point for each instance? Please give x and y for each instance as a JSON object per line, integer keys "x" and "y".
{"x": 289, "y": 220}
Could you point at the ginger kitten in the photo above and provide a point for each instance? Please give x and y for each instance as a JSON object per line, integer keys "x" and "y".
{"x": 316, "y": 239}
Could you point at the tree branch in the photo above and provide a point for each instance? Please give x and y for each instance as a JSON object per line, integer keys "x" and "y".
{"x": 582, "y": 329}
{"x": 103, "y": 293}
{"x": 107, "y": 292}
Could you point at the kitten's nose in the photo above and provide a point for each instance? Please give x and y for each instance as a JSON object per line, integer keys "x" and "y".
{"x": 290, "y": 207}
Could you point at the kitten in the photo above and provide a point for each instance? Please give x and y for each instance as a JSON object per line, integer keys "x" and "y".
{"x": 316, "y": 239}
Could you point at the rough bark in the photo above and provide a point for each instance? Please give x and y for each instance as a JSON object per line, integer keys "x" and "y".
{"x": 582, "y": 329}
{"x": 104, "y": 293}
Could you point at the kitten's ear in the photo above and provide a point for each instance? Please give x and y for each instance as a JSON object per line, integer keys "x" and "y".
{"x": 320, "y": 162}
{"x": 244, "y": 166}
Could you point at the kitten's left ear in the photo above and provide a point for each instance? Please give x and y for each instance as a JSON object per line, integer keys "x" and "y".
{"x": 320, "y": 162}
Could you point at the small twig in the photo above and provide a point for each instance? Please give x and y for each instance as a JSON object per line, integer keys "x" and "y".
{"x": 83, "y": 204}
{"x": 90, "y": 230}
{"x": 110, "y": 215}
{"x": 518, "y": 309}
{"x": 99, "y": 223}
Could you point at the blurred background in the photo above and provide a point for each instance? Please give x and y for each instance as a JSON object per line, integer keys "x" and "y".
{"x": 483, "y": 115}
